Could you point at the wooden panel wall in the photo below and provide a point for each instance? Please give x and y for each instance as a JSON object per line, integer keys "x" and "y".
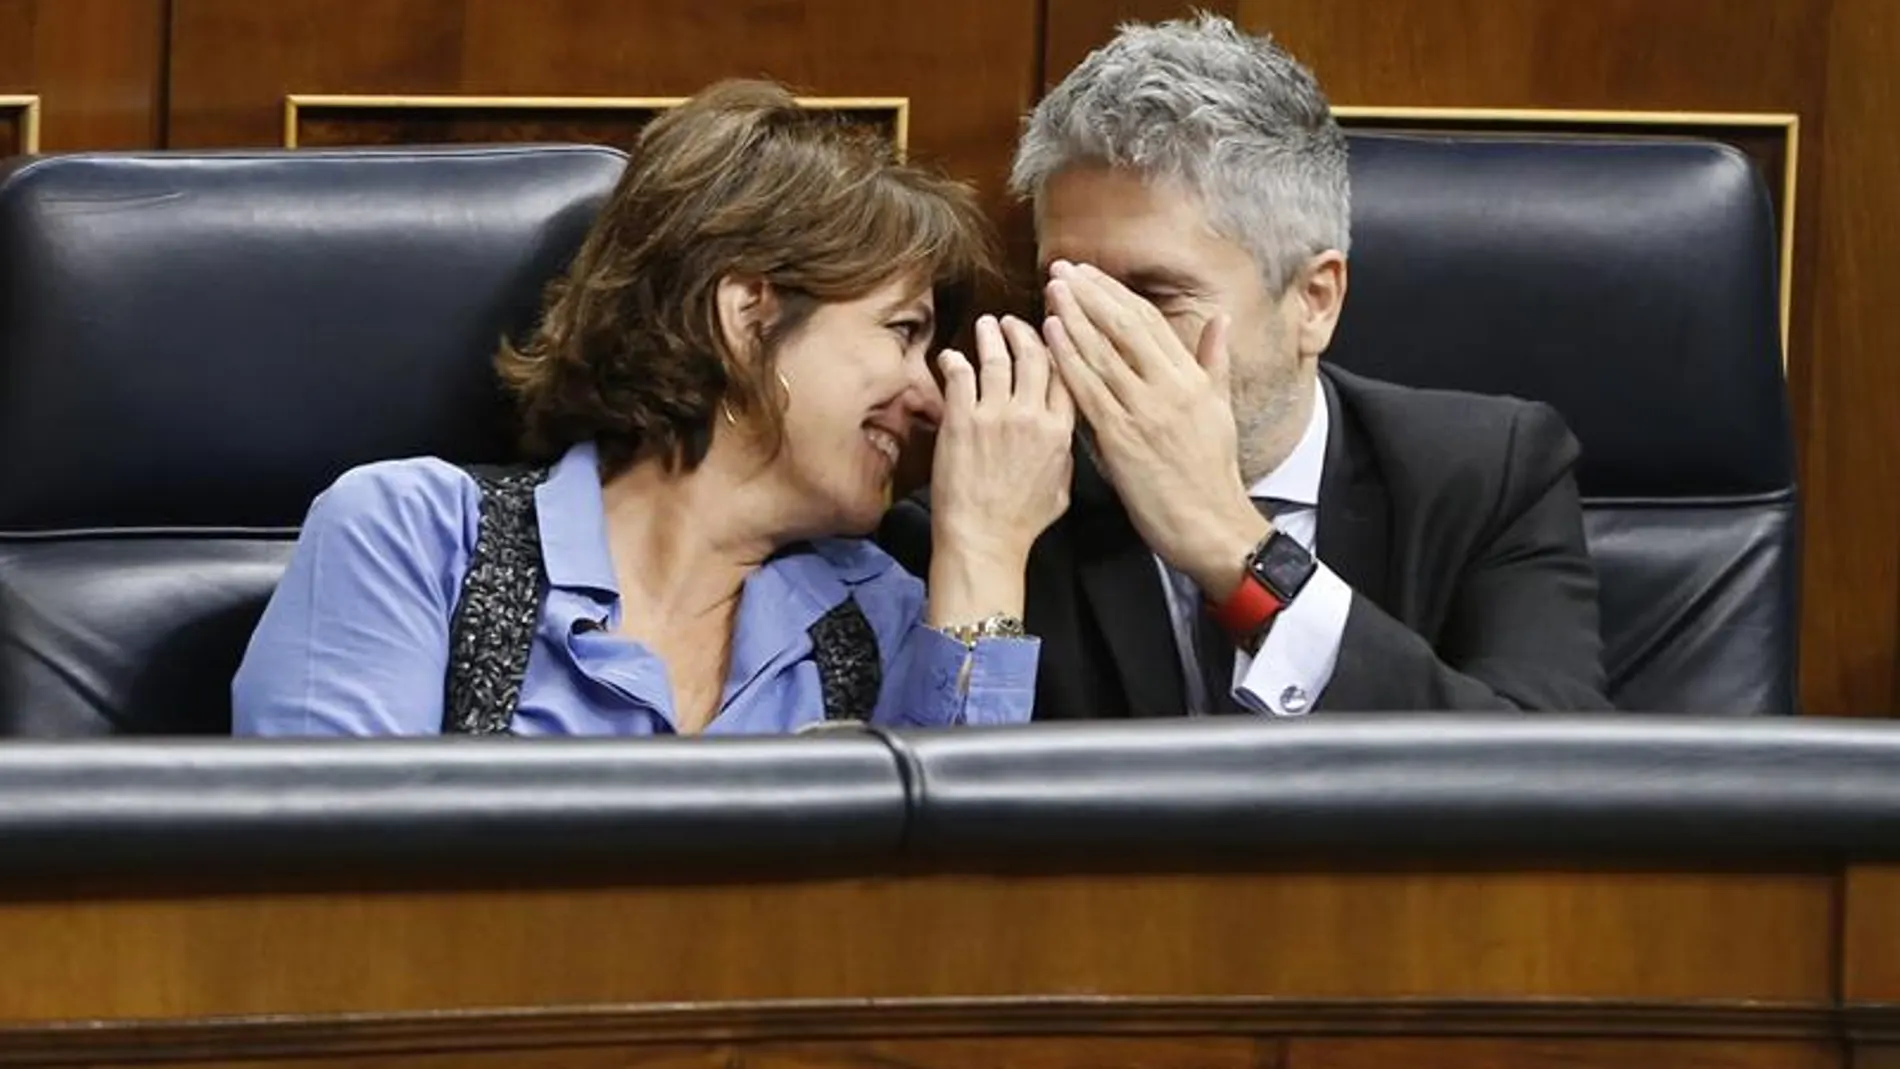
{"x": 96, "y": 65}
{"x": 1853, "y": 446}
{"x": 204, "y": 73}
{"x": 969, "y": 68}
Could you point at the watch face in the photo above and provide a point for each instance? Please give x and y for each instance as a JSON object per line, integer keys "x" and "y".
{"x": 1284, "y": 566}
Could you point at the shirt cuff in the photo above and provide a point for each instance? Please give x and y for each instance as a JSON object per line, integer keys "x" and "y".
{"x": 954, "y": 685}
{"x": 1295, "y": 662}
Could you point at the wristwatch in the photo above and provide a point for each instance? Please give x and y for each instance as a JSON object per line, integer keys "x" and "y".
{"x": 1275, "y": 572}
{"x": 1001, "y": 625}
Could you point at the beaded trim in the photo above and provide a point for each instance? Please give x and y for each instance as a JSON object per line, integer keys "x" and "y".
{"x": 850, "y": 672}
{"x": 492, "y": 631}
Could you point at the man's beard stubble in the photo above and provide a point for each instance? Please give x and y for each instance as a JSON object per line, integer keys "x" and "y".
{"x": 1265, "y": 408}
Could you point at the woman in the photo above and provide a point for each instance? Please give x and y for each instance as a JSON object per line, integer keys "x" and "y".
{"x": 715, "y": 401}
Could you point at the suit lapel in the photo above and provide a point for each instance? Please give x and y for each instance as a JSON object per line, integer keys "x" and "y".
{"x": 1122, "y": 590}
{"x": 1122, "y": 587}
{"x": 1354, "y": 536}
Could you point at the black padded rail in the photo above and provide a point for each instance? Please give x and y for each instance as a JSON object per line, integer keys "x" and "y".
{"x": 513, "y": 805}
{"x": 1416, "y": 782}
{"x": 1232, "y": 790}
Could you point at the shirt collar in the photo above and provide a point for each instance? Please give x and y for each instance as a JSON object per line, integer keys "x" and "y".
{"x": 1296, "y": 479}
{"x": 573, "y": 522}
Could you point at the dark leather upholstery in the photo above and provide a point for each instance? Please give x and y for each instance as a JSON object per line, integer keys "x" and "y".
{"x": 191, "y": 346}
{"x": 1633, "y": 286}
{"x": 1127, "y": 794}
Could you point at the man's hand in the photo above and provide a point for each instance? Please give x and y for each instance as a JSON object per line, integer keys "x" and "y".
{"x": 1163, "y": 423}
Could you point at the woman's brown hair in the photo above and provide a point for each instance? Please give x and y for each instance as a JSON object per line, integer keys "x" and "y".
{"x": 738, "y": 182}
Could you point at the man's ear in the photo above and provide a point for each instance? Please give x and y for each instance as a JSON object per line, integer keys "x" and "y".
{"x": 747, "y": 308}
{"x": 1320, "y": 291}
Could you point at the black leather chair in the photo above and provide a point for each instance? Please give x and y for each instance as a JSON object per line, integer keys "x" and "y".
{"x": 191, "y": 346}
{"x": 1633, "y": 286}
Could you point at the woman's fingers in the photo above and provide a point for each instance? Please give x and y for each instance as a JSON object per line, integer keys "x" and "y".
{"x": 1031, "y": 362}
{"x": 993, "y": 365}
{"x": 959, "y": 384}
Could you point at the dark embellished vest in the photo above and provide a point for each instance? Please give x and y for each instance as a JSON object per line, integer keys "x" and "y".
{"x": 492, "y": 630}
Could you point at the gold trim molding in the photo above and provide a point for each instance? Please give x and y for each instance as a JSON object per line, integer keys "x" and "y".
{"x": 28, "y": 106}
{"x": 898, "y": 107}
{"x": 1557, "y": 120}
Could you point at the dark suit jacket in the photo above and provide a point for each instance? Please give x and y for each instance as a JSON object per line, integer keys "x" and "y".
{"x": 1454, "y": 517}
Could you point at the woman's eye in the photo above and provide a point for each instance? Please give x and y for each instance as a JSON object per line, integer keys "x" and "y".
{"x": 908, "y": 331}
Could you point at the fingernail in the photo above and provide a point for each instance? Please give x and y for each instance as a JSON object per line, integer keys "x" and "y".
{"x": 983, "y": 320}
{"x": 1061, "y": 267}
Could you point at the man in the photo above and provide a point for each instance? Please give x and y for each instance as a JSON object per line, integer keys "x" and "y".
{"x": 1250, "y": 531}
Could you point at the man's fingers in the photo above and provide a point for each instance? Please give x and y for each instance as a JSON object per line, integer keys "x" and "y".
{"x": 1088, "y": 343}
{"x": 1149, "y": 316}
{"x": 1129, "y": 324}
{"x": 1060, "y": 402}
{"x": 1092, "y": 397}
{"x": 1212, "y": 354}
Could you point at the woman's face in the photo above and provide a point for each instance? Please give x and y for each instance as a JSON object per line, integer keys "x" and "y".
{"x": 858, "y": 382}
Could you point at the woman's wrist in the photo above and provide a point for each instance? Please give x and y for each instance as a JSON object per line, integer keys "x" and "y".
{"x": 970, "y": 584}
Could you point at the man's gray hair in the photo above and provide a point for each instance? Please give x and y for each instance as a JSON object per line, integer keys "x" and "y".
{"x": 1228, "y": 116}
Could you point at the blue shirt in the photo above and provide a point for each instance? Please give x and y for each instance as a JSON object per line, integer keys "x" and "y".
{"x": 355, "y": 640}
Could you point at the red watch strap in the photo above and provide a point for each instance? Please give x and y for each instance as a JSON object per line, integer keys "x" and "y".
{"x": 1249, "y": 609}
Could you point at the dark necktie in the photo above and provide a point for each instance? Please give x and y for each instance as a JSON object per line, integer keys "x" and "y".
{"x": 1214, "y": 649}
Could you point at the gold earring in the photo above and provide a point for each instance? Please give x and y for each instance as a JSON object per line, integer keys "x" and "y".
{"x": 726, "y": 410}
{"x": 785, "y": 383}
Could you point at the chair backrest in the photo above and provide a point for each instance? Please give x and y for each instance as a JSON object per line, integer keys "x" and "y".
{"x": 1632, "y": 285}
{"x": 193, "y": 345}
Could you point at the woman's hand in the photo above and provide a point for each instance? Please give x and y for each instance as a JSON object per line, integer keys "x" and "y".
{"x": 1001, "y": 472}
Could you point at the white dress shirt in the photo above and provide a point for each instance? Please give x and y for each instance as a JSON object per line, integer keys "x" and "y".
{"x": 1296, "y": 659}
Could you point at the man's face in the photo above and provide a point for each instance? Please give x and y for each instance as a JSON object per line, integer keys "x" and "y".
{"x": 1156, "y": 240}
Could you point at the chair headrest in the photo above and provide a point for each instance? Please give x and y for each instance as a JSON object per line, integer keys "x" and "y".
{"x": 1632, "y": 284}
{"x": 206, "y": 340}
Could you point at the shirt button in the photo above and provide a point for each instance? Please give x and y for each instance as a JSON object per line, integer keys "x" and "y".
{"x": 1293, "y": 701}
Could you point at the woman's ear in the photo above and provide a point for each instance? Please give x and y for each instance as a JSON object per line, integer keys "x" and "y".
{"x": 747, "y": 307}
